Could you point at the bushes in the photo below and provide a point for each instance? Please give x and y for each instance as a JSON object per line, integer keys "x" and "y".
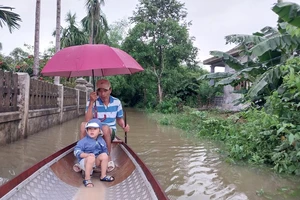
{"x": 256, "y": 140}
{"x": 169, "y": 105}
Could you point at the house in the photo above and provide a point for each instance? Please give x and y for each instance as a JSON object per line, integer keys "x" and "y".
{"x": 229, "y": 95}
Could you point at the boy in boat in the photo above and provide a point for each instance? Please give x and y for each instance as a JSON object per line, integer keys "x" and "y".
{"x": 91, "y": 151}
{"x": 109, "y": 111}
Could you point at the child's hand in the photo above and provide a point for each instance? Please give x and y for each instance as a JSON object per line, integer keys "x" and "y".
{"x": 91, "y": 154}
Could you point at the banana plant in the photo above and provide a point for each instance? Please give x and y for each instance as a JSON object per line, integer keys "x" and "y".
{"x": 264, "y": 51}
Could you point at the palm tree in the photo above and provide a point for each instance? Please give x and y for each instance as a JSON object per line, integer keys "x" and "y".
{"x": 57, "y": 38}
{"x": 71, "y": 35}
{"x": 37, "y": 39}
{"x": 92, "y": 22}
{"x": 9, "y": 18}
{"x": 100, "y": 30}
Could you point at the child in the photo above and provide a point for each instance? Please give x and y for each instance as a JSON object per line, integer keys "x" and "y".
{"x": 91, "y": 151}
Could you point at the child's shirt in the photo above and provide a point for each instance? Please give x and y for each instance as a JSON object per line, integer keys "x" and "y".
{"x": 90, "y": 145}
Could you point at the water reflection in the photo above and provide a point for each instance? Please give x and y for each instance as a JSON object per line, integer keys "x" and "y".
{"x": 22, "y": 154}
{"x": 186, "y": 168}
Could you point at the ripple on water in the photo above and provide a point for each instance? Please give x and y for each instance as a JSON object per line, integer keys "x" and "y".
{"x": 193, "y": 172}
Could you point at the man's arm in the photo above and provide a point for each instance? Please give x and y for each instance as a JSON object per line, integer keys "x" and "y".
{"x": 120, "y": 119}
{"x": 121, "y": 123}
{"x": 91, "y": 103}
{"x": 89, "y": 112}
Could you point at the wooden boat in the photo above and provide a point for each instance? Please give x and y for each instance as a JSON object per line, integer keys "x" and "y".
{"x": 54, "y": 178}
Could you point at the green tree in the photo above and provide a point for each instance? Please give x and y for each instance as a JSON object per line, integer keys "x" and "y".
{"x": 117, "y": 33}
{"x": 95, "y": 23}
{"x": 72, "y": 35}
{"x": 9, "y": 18}
{"x": 160, "y": 39}
{"x": 3, "y": 63}
{"x": 20, "y": 61}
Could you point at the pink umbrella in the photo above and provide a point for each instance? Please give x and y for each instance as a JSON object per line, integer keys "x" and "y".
{"x": 90, "y": 60}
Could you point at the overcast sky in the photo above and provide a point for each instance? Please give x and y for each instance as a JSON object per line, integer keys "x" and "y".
{"x": 211, "y": 20}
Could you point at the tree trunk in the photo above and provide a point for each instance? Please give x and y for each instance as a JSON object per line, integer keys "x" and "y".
{"x": 57, "y": 35}
{"x": 160, "y": 93}
{"x": 92, "y": 38}
{"x": 37, "y": 39}
{"x": 92, "y": 30}
{"x": 160, "y": 72}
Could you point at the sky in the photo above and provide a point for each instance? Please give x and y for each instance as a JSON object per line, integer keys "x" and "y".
{"x": 211, "y": 20}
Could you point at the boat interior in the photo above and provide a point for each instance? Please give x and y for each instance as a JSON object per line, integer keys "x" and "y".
{"x": 57, "y": 180}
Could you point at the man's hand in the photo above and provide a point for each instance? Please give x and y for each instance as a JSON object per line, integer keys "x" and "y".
{"x": 126, "y": 128}
{"x": 93, "y": 97}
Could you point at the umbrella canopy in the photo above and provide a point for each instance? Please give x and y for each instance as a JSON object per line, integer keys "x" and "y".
{"x": 91, "y": 60}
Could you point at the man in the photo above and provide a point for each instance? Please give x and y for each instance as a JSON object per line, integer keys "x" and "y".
{"x": 109, "y": 111}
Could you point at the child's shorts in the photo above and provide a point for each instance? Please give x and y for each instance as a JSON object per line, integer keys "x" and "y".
{"x": 81, "y": 164}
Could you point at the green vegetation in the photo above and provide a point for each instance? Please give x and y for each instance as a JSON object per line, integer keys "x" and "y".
{"x": 269, "y": 136}
{"x": 9, "y": 18}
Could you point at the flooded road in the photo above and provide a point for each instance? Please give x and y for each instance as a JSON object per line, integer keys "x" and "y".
{"x": 186, "y": 168}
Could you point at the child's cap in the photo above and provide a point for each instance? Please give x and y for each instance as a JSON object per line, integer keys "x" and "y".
{"x": 94, "y": 123}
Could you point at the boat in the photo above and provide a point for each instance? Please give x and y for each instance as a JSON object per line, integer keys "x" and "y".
{"x": 54, "y": 178}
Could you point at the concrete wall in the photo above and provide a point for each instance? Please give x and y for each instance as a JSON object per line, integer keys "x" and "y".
{"x": 19, "y": 124}
{"x": 229, "y": 96}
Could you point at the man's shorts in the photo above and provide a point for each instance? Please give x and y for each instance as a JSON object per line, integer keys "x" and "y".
{"x": 113, "y": 134}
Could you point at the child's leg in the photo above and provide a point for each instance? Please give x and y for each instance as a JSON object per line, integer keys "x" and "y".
{"x": 102, "y": 160}
{"x": 89, "y": 163}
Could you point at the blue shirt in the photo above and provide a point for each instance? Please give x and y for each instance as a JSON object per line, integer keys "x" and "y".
{"x": 110, "y": 112}
{"x": 90, "y": 145}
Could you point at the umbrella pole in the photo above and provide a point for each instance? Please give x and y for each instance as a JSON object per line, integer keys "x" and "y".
{"x": 125, "y": 120}
{"x": 93, "y": 79}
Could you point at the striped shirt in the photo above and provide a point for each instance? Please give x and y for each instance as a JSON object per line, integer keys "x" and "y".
{"x": 109, "y": 113}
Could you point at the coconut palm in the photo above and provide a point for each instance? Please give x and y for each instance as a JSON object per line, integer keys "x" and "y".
{"x": 57, "y": 38}
{"x": 37, "y": 39}
{"x": 72, "y": 35}
{"x": 100, "y": 30}
{"x": 94, "y": 21}
{"x": 9, "y": 18}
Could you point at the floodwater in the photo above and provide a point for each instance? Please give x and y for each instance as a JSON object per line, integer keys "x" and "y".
{"x": 186, "y": 168}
